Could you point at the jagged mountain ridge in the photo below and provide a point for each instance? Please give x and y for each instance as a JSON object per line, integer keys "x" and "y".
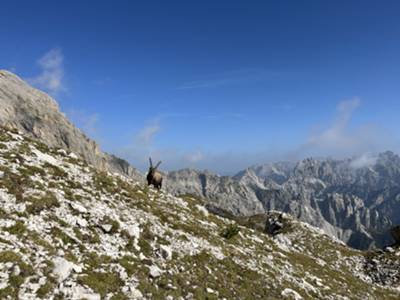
{"x": 356, "y": 203}
{"x": 38, "y": 115}
{"x": 69, "y": 231}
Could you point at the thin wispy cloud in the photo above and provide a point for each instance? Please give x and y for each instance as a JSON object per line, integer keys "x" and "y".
{"x": 340, "y": 139}
{"x": 141, "y": 146}
{"x": 237, "y": 116}
{"x": 230, "y": 78}
{"x": 364, "y": 160}
{"x": 194, "y": 157}
{"x": 338, "y": 135}
{"x": 12, "y": 69}
{"x": 87, "y": 122}
{"x": 102, "y": 81}
{"x": 216, "y": 116}
{"x": 285, "y": 107}
{"x": 51, "y": 77}
{"x": 146, "y": 135}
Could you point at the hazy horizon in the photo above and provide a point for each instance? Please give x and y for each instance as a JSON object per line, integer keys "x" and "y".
{"x": 218, "y": 86}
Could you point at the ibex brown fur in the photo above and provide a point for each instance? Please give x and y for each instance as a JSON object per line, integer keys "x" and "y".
{"x": 154, "y": 177}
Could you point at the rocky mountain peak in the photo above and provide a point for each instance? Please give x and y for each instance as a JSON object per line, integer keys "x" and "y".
{"x": 14, "y": 87}
{"x": 37, "y": 114}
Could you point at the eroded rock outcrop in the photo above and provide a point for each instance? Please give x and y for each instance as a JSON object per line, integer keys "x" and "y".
{"x": 37, "y": 114}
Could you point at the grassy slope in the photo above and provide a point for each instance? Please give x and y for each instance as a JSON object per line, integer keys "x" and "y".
{"x": 53, "y": 205}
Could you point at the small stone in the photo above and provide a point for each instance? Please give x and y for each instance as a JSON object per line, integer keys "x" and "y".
{"x": 123, "y": 275}
{"x": 210, "y": 291}
{"x": 67, "y": 283}
{"x": 77, "y": 269}
{"x": 17, "y": 270}
{"x": 135, "y": 294}
{"x": 34, "y": 286}
{"x": 291, "y": 294}
{"x": 106, "y": 227}
{"x": 62, "y": 152}
{"x": 390, "y": 249}
{"x": 202, "y": 209}
{"x": 3, "y": 284}
{"x": 78, "y": 207}
{"x": 166, "y": 252}
{"x": 155, "y": 271}
{"x": 82, "y": 222}
{"x": 134, "y": 231}
{"x": 42, "y": 280}
{"x": 62, "y": 268}
{"x": 73, "y": 155}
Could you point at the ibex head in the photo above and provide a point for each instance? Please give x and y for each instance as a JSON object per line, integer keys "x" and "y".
{"x": 154, "y": 177}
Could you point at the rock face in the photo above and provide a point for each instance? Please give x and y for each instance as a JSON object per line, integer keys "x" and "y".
{"x": 226, "y": 192}
{"x": 38, "y": 115}
{"x": 354, "y": 202}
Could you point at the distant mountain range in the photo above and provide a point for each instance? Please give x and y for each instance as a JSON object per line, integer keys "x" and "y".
{"x": 356, "y": 200}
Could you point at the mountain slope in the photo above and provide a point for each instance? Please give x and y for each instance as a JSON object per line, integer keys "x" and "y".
{"x": 37, "y": 114}
{"x": 70, "y": 231}
{"x": 349, "y": 199}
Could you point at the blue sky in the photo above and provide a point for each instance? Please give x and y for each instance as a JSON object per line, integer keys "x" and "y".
{"x": 215, "y": 84}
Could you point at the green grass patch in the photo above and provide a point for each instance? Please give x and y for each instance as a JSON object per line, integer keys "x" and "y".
{"x": 102, "y": 283}
{"x": 17, "y": 229}
{"x": 38, "y": 204}
{"x": 230, "y": 231}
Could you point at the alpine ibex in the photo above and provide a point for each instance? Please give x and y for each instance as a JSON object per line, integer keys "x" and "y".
{"x": 154, "y": 177}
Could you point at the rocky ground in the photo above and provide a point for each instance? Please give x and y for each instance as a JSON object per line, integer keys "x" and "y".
{"x": 69, "y": 231}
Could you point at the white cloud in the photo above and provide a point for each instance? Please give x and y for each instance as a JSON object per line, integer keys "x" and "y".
{"x": 338, "y": 135}
{"x": 285, "y": 106}
{"x": 51, "y": 77}
{"x": 102, "y": 81}
{"x": 87, "y": 122}
{"x": 343, "y": 139}
{"x": 231, "y": 77}
{"x": 365, "y": 160}
{"x": 194, "y": 157}
{"x": 146, "y": 134}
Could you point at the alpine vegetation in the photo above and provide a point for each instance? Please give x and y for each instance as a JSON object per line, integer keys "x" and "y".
{"x": 71, "y": 231}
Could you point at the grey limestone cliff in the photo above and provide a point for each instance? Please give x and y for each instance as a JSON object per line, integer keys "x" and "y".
{"x": 35, "y": 113}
